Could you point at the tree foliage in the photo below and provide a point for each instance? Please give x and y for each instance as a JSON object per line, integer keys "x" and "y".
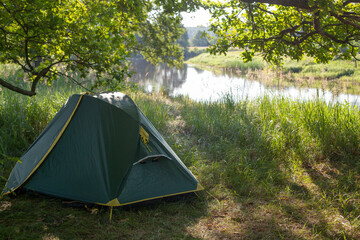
{"x": 183, "y": 41}
{"x": 48, "y": 38}
{"x": 200, "y": 39}
{"x": 322, "y": 29}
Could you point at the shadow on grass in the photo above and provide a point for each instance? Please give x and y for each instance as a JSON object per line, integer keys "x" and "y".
{"x": 336, "y": 170}
{"x": 238, "y": 164}
{"x": 39, "y": 216}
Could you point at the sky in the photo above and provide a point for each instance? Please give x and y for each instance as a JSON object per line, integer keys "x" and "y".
{"x": 195, "y": 19}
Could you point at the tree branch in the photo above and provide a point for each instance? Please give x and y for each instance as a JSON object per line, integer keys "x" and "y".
{"x": 343, "y": 20}
{"x": 269, "y": 12}
{"x": 350, "y": 1}
{"x": 26, "y": 48}
{"x": 303, "y": 4}
{"x": 320, "y": 30}
{"x": 41, "y": 74}
{"x": 20, "y": 64}
{"x": 13, "y": 15}
{"x": 253, "y": 28}
{"x": 16, "y": 89}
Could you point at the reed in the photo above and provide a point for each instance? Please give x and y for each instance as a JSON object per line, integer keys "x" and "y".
{"x": 337, "y": 75}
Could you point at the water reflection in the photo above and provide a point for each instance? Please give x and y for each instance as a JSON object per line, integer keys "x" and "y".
{"x": 203, "y": 85}
{"x": 161, "y": 77}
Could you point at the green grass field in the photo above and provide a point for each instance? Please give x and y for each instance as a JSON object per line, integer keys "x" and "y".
{"x": 272, "y": 168}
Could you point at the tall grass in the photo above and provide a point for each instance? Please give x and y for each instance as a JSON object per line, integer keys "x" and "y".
{"x": 270, "y": 147}
{"x": 273, "y": 167}
{"x": 275, "y": 127}
{"x": 299, "y": 160}
{"x": 22, "y": 119}
{"x": 336, "y": 69}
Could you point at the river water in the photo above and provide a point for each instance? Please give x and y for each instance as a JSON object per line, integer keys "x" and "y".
{"x": 204, "y": 85}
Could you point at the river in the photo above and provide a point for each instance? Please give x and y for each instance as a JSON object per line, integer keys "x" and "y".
{"x": 204, "y": 85}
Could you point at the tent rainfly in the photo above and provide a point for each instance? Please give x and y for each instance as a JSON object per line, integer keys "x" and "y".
{"x": 101, "y": 149}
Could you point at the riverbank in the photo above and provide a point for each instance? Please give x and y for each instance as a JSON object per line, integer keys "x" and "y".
{"x": 337, "y": 76}
{"x": 272, "y": 168}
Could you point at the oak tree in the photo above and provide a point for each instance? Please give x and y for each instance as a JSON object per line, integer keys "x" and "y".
{"x": 323, "y": 29}
{"x": 52, "y": 38}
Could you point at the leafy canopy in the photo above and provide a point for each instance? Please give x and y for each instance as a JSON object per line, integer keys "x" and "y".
{"x": 48, "y": 38}
{"x": 323, "y": 29}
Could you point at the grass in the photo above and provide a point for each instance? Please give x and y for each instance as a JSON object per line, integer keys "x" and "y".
{"x": 337, "y": 69}
{"x": 273, "y": 168}
{"x": 232, "y": 61}
{"x": 337, "y": 76}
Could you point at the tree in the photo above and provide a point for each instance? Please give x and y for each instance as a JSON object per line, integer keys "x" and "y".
{"x": 48, "y": 39}
{"x": 322, "y": 29}
{"x": 184, "y": 39}
{"x": 200, "y": 39}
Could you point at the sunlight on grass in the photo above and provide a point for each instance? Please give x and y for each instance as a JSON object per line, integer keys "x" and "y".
{"x": 272, "y": 168}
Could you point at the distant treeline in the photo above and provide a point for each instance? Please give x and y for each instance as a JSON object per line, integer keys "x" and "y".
{"x": 191, "y": 31}
{"x": 199, "y": 36}
{"x": 193, "y": 37}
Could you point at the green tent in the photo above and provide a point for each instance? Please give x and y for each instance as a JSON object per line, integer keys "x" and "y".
{"x": 101, "y": 149}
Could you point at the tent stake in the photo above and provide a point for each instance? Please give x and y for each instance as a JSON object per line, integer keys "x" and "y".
{"x": 111, "y": 208}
